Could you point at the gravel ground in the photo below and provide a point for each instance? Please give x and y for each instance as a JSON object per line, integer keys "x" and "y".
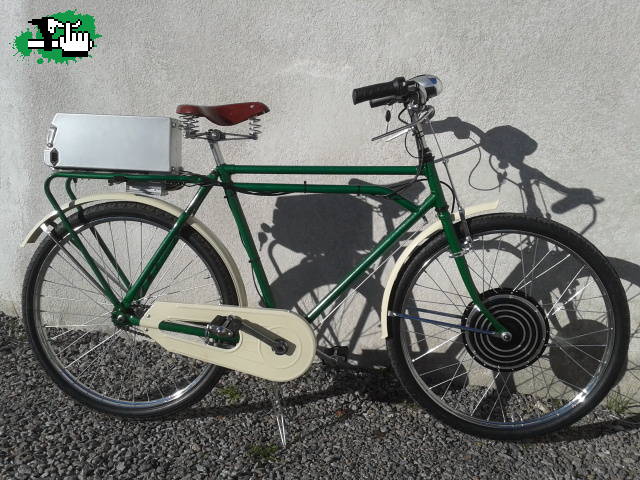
{"x": 342, "y": 424}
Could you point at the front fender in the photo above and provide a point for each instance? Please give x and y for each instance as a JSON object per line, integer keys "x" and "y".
{"x": 416, "y": 243}
{"x": 197, "y": 225}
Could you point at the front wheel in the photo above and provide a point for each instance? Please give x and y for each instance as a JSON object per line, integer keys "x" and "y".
{"x": 557, "y": 295}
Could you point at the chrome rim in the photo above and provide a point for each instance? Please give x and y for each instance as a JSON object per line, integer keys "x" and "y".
{"x": 121, "y": 367}
{"x": 566, "y": 338}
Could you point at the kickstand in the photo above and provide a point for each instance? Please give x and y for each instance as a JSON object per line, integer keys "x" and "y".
{"x": 279, "y": 410}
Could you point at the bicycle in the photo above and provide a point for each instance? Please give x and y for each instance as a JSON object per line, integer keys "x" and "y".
{"x": 533, "y": 317}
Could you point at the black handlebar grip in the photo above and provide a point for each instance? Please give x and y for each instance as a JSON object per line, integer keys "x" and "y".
{"x": 371, "y": 92}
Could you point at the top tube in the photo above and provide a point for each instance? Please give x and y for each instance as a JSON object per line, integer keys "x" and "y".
{"x": 318, "y": 169}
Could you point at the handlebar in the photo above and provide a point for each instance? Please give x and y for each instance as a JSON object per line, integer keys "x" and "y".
{"x": 416, "y": 90}
{"x": 398, "y": 87}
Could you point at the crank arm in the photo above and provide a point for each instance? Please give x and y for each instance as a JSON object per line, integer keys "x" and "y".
{"x": 278, "y": 344}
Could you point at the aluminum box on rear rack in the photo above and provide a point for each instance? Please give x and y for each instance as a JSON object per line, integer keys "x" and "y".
{"x": 114, "y": 142}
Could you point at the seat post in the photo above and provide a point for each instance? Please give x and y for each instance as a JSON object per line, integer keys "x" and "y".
{"x": 215, "y": 148}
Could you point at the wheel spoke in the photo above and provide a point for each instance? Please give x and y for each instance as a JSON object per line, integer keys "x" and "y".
{"x": 440, "y": 303}
{"x": 491, "y": 277}
{"x": 436, "y": 337}
{"x": 441, "y": 290}
{"x": 104, "y": 267}
{"x": 110, "y": 365}
{"x": 493, "y": 269}
{"x": 530, "y": 272}
{"x": 498, "y": 398}
{"x": 491, "y": 384}
{"x": 575, "y": 361}
{"x": 568, "y": 344}
{"x": 439, "y": 368}
{"x": 447, "y": 295}
{"x": 92, "y": 349}
{"x": 126, "y": 238}
{"x": 451, "y": 282}
{"x": 477, "y": 369}
{"x": 551, "y": 310}
{"x": 155, "y": 297}
{"x": 431, "y": 350}
{"x": 527, "y": 278}
{"x": 585, "y": 334}
{"x": 561, "y": 307}
{"x": 93, "y": 300}
{"x": 454, "y": 375}
{"x": 545, "y": 272}
{"x": 159, "y": 281}
{"x": 92, "y": 292}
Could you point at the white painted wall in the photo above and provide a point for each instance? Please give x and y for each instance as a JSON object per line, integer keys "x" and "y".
{"x": 558, "y": 80}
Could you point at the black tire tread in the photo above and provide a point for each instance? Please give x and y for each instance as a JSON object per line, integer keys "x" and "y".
{"x": 554, "y": 230}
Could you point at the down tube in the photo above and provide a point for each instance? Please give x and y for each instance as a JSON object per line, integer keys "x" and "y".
{"x": 384, "y": 244}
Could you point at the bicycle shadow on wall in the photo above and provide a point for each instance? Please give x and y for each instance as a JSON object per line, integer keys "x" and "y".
{"x": 333, "y": 233}
{"x": 338, "y": 231}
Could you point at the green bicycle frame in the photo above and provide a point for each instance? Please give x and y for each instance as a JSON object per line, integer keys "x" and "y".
{"x": 222, "y": 176}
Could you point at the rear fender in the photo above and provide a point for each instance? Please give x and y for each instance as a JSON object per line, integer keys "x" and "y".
{"x": 197, "y": 225}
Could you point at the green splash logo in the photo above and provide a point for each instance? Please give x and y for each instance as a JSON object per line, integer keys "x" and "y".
{"x": 59, "y": 38}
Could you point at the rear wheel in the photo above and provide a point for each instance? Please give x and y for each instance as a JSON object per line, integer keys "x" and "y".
{"x": 68, "y": 320}
{"x": 554, "y": 291}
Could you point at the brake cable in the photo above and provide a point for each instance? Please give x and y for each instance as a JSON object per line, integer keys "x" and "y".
{"x": 463, "y": 219}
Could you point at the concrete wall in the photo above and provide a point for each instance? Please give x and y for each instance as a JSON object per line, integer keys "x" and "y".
{"x": 553, "y": 88}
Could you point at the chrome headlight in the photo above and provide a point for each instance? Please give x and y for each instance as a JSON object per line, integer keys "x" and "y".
{"x": 429, "y": 84}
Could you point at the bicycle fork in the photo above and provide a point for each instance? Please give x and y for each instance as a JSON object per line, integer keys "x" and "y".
{"x": 458, "y": 253}
{"x": 457, "y": 250}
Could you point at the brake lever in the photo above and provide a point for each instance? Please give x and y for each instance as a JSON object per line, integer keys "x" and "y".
{"x": 395, "y": 133}
{"x": 379, "y": 102}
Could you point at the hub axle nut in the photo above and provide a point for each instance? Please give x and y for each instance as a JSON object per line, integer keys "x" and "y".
{"x": 505, "y": 336}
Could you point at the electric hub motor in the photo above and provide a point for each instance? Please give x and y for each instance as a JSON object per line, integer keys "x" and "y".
{"x": 521, "y": 315}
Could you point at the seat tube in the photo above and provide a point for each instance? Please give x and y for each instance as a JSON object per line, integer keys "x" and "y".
{"x": 246, "y": 238}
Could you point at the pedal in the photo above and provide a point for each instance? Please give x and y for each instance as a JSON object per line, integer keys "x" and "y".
{"x": 336, "y": 355}
{"x": 279, "y": 407}
{"x": 223, "y": 331}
